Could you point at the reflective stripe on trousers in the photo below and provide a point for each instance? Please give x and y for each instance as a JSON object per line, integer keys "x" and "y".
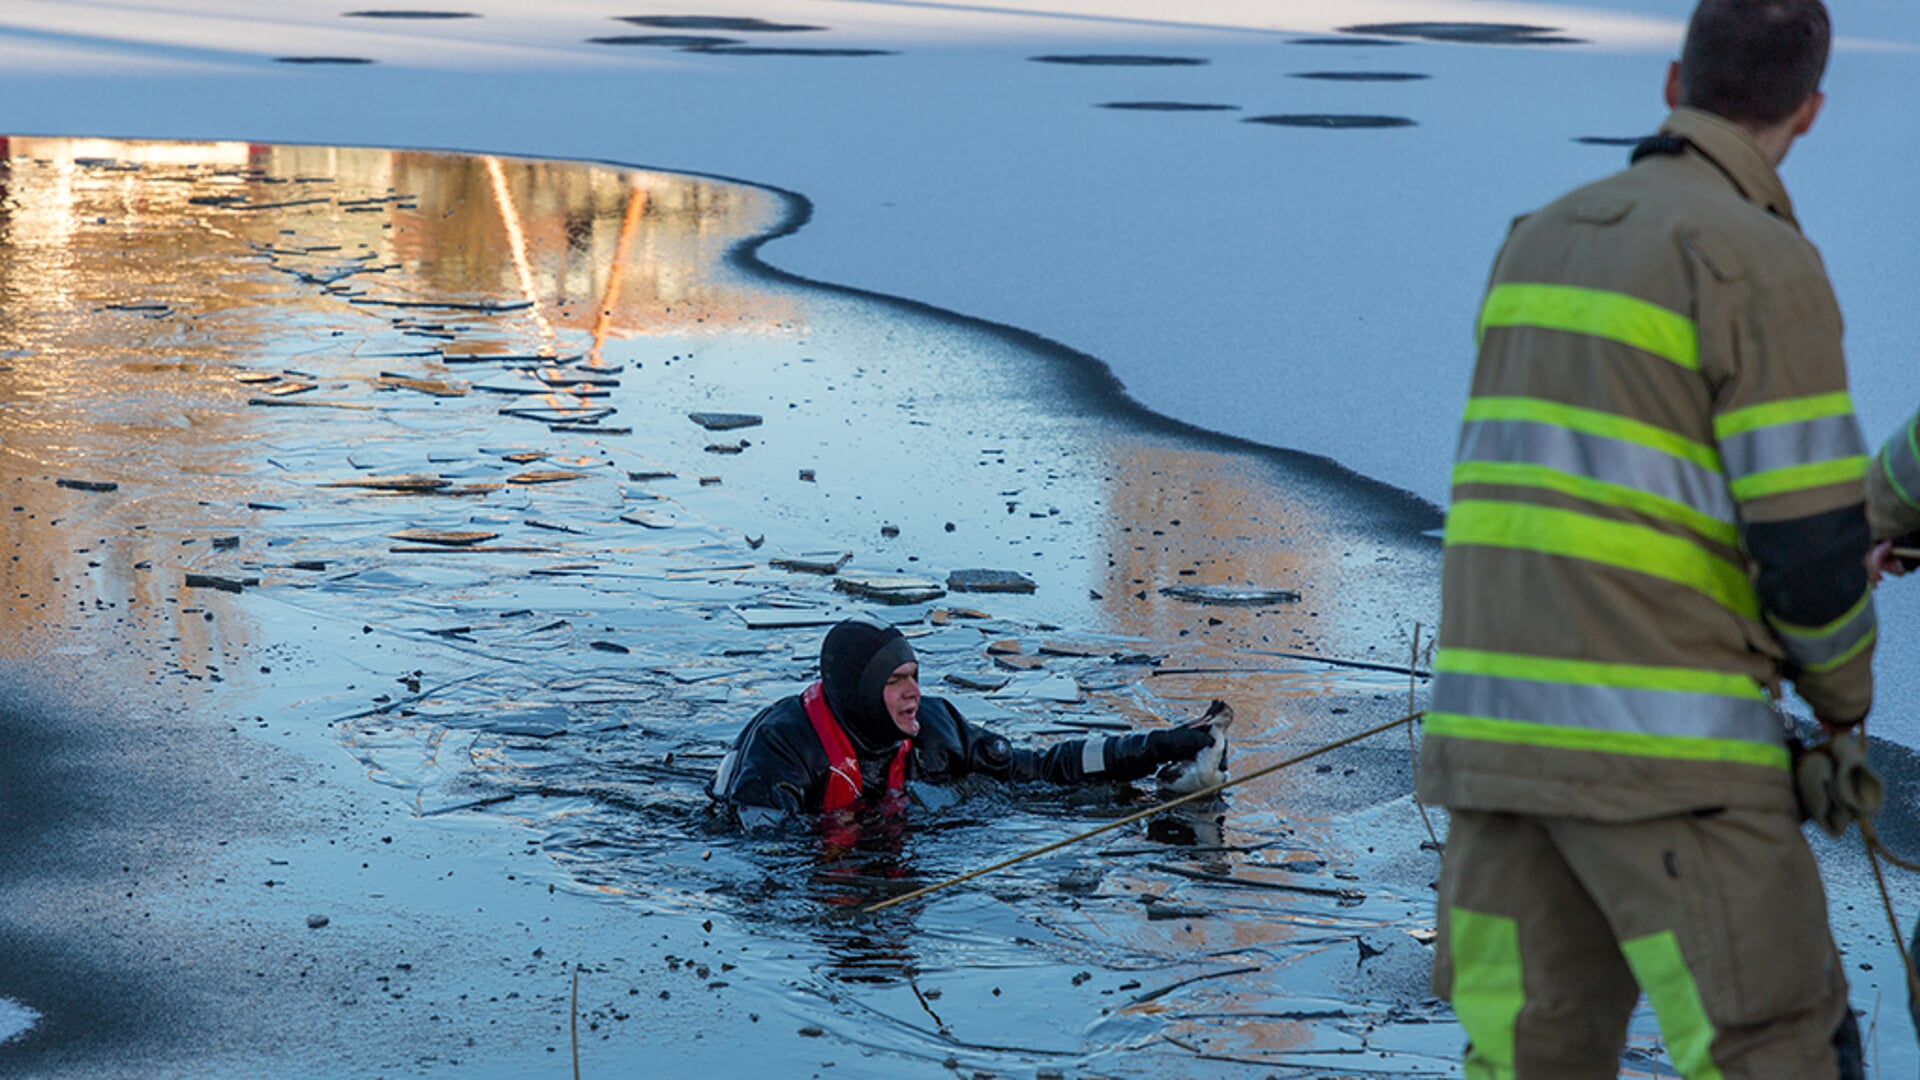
{"x": 1489, "y": 991}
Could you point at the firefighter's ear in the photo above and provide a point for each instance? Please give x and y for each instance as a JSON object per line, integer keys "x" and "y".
{"x": 1809, "y": 109}
{"x": 1672, "y": 93}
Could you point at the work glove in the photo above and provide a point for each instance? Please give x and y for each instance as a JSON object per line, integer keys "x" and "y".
{"x": 1835, "y": 784}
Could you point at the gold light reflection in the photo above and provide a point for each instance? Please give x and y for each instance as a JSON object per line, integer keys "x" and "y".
{"x": 517, "y": 242}
{"x": 139, "y": 279}
{"x": 1176, "y": 514}
{"x": 609, "y": 301}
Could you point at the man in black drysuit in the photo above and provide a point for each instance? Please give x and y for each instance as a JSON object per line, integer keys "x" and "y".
{"x": 853, "y": 739}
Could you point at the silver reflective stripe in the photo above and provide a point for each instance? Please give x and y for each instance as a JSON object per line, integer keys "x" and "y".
{"x": 1607, "y": 708}
{"x": 1782, "y": 446}
{"x": 1819, "y": 650}
{"x": 1093, "y": 756}
{"x": 1901, "y": 459}
{"x": 1600, "y": 458}
{"x": 723, "y": 777}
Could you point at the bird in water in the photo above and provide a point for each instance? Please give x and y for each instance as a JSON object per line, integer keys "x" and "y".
{"x": 1209, "y": 766}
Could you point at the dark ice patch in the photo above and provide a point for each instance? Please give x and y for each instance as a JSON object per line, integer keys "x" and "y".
{"x": 1610, "y": 140}
{"x": 725, "y": 421}
{"x": 990, "y": 581}
{"x": 1471, "y": 33}
{"x": 1331, "y": 120}
{"x": 1168, "y": 106}
{"x": 411, "y": 15}
{"x": 774, "y": 50}
{"x": 1344, "y": 41}
{"x": 321, "y": 60}
{"x": 1120, "y": 60}
{"x": 668, "y": 41}
{"x": 721, "y": 23}
{"x": 1362, "y": 76}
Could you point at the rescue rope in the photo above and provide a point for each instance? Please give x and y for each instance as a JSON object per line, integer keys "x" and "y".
{"x": 1147, "y": 813}
{"x": 1413, "y": 668}
{"x": 1875, "y": 851}
{"x": 1886, "y": 853}
{"x": 573, "y": 1022}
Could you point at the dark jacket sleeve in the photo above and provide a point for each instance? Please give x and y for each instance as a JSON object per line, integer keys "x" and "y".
{"x": 776, "y": 766}
{"x": 950, "y": 747}
{"x": 1811, "y": 579}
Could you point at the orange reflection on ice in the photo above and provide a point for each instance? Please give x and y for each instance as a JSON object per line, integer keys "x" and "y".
{"x": 517, "y": 241}
{"x": 603, "y": 317}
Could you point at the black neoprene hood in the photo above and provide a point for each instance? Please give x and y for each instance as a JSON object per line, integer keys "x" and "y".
{"x": 856, "y": 659}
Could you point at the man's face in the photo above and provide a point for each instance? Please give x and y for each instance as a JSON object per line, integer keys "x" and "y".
{"x": 902, "y": 696}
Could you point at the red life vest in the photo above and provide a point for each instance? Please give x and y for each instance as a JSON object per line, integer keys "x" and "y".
{"x": 843, "y": 778}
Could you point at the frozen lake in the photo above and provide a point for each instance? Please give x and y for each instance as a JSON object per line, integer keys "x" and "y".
{"x": 1300, "y": 284}
{"x": 482, "y": 490}
{"x": 1299, "y": 287}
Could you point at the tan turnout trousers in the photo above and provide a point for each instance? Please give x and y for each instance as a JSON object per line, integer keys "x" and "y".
{"x": 1551, "y": 928}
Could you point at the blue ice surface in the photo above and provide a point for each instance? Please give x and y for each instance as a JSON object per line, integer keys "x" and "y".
{"x": 15, "y": 1019}
{"x": 1308, "y": 289}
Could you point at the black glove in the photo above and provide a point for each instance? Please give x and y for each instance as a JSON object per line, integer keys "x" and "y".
{"x": 1130, "y": 757}
{"x": 1177, "y": 744}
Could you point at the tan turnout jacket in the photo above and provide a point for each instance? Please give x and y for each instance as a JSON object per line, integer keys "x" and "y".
{"x": 1893, "y": 485}
{"x": 1657, "y": 499}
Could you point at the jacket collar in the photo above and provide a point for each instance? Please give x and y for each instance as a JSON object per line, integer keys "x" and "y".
{"x": 1725, "y": 144}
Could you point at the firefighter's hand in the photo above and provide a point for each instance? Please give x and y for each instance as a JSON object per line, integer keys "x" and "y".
{"x": 1836, "y": 785}
{"x": 1881, "y": 562}
{"x": 1830, "y": 728}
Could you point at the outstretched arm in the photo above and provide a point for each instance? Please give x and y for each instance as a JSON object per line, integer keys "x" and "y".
{"x": 1076, "y": 761}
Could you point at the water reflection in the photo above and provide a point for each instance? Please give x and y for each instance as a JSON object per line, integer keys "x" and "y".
{"x": 284, "y": 356}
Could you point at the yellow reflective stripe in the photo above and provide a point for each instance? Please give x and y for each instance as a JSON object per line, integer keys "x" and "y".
{"x": 1516, "y": 474}
{"x": 1487, "y": 991}
{"x": 1594, "y": 422}
{"x": 1790, "y": 411}
{"x": 1814, "y": 647}
{"x": 1866, "y": 641}
{"x": 1800, "y": 477}
{"x": 1581, "y": 536}
{"x": 1910, "y": 461}
{"x": 1611, "y": 315}
{"x": 1595, "y": 673}
{"x": 1831, "y": 626}
{"x": 1662, "y": 972}
{"x": 1893, "y": 481}
{"x": 1556, "y": 737}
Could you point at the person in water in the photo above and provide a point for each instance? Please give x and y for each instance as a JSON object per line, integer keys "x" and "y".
{"x": 853, "y": 739}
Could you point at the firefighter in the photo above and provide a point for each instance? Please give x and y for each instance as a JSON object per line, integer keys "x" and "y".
{"x": 1656, "y": 520}
{"x": 1893, "y": 498}
{"x": 1893, "y": 510}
